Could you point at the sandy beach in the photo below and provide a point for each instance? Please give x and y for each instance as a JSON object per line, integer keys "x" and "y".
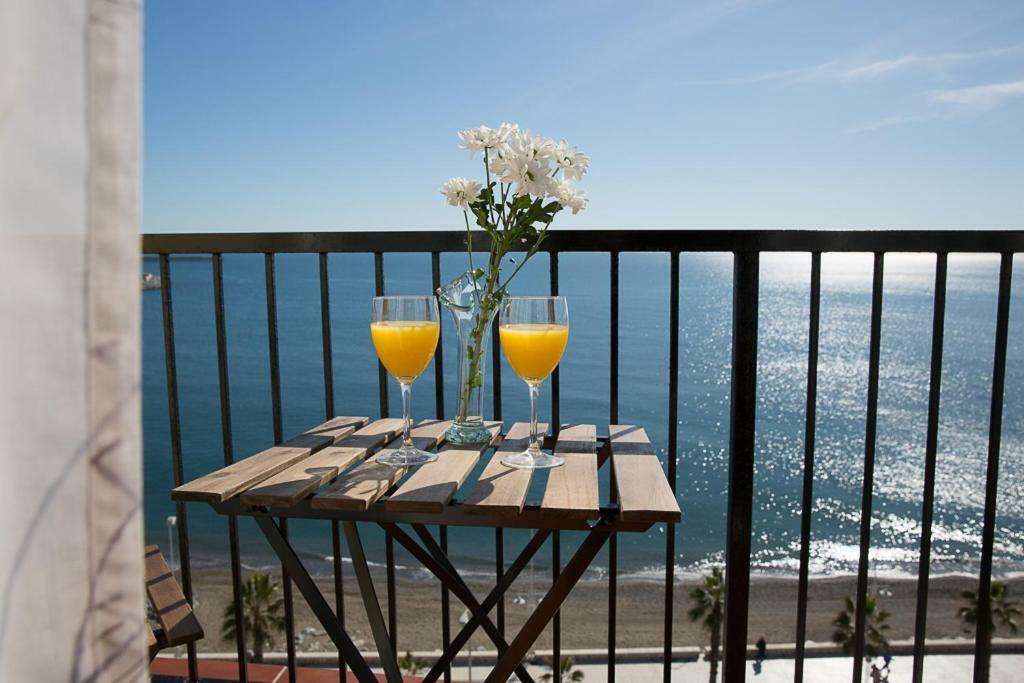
{"x": 584, "y": 617}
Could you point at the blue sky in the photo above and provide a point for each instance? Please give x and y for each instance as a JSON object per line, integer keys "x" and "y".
{"x": 321, "y": 115}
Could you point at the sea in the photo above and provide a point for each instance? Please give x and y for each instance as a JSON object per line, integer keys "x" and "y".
{"x": 704, "y": 394}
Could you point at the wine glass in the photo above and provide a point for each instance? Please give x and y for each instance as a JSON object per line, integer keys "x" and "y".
{"x": 534, "y": 331}
{"x": 405, "y": 330}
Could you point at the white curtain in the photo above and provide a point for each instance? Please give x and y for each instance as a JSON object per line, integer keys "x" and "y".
{"x": 71, "y": 593}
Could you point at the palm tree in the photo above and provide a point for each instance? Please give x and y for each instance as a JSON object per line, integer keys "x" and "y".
{"x": 262, "y": 613}
{"x": 566, "y": 672}
{"x": 706, "y": 606}
{"x": 1002, "y": 611}
{"x": 875, "y": 618}
{"x": 410, "y": 665}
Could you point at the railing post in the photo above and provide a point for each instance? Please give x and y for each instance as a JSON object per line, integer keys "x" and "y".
{"x": 867, "y": 491}
{"x": 741, "y": 462}
{"x": 807, "y": 499}
{"x": 556, "y": 401}
{"x": 229, "y": 457}
{"x": 270, "y": 279}
{"x": 983, "y": 631}
{"x": 382, "y": 374}
{"x": 177, "y": 469}
{"x": 672, "y": 457}
{"x": 930, "y": 456}
{"x": 613, "y": 418}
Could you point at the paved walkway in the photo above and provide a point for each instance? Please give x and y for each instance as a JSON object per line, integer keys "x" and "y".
{"x": 1005, "y": 669}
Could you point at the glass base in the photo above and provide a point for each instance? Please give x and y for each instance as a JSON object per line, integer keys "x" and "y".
{"x": 467, "y": 434}
{"x": 529, "y": 460}
{"x": 405, "y": 457}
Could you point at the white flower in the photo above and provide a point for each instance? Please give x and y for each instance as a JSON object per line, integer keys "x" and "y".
{"x": 525, "y": 161}
{"x": 571, "y": 160}
{"x": 506, "y": 131}
{"x": 533, "y": 146}
{"x": 461, "y": 192}
{"x": 529, "y": 175}
{"x": 476, "y": 139}
{"x": 516, "y": 146}
{"x": 568, "y": 195}
{"x": 501, "y": 158}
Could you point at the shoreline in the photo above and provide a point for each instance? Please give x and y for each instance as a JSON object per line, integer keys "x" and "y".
{"x": 584, "y": 616}
{"x": 321, "y": 567}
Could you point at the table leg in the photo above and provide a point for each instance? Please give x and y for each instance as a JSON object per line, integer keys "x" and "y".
{"x": 380, "y": 632}
{"x": 436, "y": 562}
{"x": 304, "y": 582}
{"x": 462, "y": 637}
{"x": 554, "y": 598}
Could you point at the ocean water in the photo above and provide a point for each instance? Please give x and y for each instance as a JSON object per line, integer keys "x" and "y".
{"x": 705, "y": 349}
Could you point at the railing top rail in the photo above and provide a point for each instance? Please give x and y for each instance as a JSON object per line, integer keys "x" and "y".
{"x": 931, "y": 241}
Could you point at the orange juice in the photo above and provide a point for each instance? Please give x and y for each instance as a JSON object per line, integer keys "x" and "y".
{"x": 405, "y": 346}
{"x": 533, "y": 350}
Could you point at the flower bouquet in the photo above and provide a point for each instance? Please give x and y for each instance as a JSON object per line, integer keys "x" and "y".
{"x": 528, "y": 179}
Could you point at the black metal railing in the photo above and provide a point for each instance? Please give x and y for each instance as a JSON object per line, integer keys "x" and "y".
{"x": 746, "y": 247}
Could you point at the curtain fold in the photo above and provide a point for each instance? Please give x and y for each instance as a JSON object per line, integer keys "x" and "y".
{"x": 72, "y": 603}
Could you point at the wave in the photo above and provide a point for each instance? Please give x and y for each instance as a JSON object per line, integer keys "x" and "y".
{"x": 322, "y": 566}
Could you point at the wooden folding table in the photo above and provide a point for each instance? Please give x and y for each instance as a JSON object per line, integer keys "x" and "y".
{"x": 328, "y": 473}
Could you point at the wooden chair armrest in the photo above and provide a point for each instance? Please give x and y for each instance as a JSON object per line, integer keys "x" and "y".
{"x": 175, "y": 615}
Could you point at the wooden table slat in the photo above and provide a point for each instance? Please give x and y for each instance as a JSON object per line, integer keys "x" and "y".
{"x": 175, "y": 615}
{"x": 360, "y": 488}
{"x": 644, "y": 492}
{"x": 630, "y": 440}
{"x": 285, "y": 488}
{"x": 572, "y": 488}
{"x": 431, "y": 487}
{"x": 227, "y": 482}
{"x": 500, "y": 490}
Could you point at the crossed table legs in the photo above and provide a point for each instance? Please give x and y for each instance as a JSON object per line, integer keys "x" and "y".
{"x": 435, "y": 560}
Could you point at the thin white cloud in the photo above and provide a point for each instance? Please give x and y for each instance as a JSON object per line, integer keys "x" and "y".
{"x": 951, "y": 104}
{"x": 980, "y": 98}
{"x": 836, "y": 71}
{"x": 887, "y": 67}
{"x": 803, "y": 73}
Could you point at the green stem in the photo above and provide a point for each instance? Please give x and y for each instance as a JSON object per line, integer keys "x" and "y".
{"x": 493, "y": 291}
{"x": 487, "y": 174}
{"x": 519, "y": 266}
{"x": 469, "y": 243}
{"x": 474, "y": 348}
{"x": 501, "y": 209}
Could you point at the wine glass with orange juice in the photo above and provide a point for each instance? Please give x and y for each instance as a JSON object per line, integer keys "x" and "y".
{"x": 534, "y": 331}
{"x": 405, "y": 330}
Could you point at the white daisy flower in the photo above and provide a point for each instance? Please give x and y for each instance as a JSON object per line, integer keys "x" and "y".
{"x": 501, "y": 158}
{"x": 533, "y": 146}
{"x": 461, "y": 192}
{"x": 568, "y": 195}
{"x": 571, "y": 160}
{"x": 530, "y": 176}
{"x": 505, "y": 132}
{"x": 483, "y": 137}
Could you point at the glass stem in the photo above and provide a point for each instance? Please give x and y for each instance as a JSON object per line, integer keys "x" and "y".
{"x": 406, "y": 414}
{"x": 534, "y": 437}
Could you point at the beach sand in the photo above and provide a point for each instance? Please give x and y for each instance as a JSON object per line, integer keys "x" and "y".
{"x": 584, "y": 616}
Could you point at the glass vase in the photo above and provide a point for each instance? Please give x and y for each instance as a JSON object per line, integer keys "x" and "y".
{"x": 473, "y": 312}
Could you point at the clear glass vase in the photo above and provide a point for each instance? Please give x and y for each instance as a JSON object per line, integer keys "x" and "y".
{"x": 473, "y": 312}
